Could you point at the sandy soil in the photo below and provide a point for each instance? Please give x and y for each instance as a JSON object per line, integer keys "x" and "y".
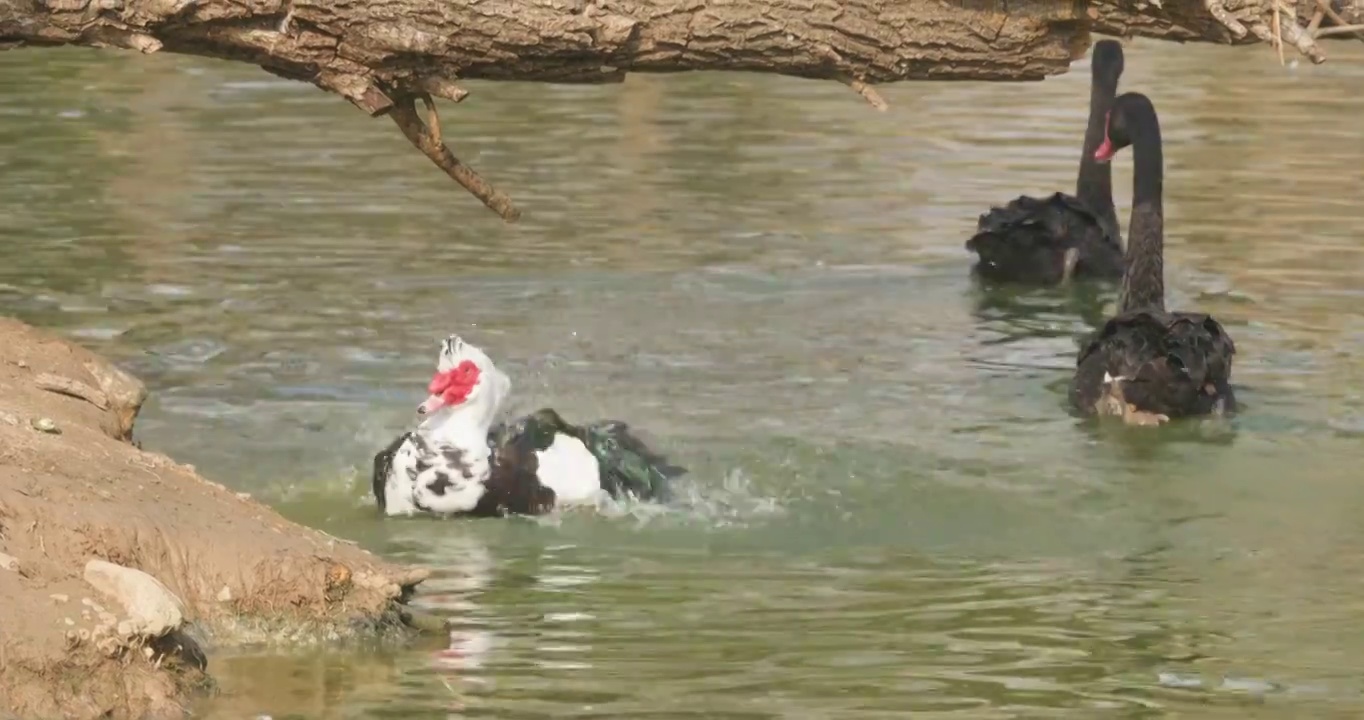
{"x": 87, "y": 493}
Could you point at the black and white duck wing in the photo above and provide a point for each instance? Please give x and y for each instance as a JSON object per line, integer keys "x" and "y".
{"x": 412, "y": 476}
{"x": 541, "y": 459}
{"x": 530, "y": 474}
{"x": 383, "y": 465}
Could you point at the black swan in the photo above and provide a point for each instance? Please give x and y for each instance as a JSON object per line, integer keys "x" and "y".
{"x": 1145, "y": 364}
{"x": 1048, "y": 241}
{"x": 458, "y": 463}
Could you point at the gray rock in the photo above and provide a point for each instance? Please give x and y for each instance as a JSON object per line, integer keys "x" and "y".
{"x": 151, "y": 608}
{"x": 125, "y": 393}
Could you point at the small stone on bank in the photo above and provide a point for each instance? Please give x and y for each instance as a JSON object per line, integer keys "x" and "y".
{"x": 46, "y": 425}
{"x": 9, "y": 562}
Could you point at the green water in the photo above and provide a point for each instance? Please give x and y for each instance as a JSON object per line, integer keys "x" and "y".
{"x": 889, "y": 509}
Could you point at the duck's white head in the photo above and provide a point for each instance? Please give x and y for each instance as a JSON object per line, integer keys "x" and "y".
{"x": 467, "y": 390}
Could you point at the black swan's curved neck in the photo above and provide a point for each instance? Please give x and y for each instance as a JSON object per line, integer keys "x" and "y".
{"x": 1143, "y": 283}
{"x": 1094, "y": 185}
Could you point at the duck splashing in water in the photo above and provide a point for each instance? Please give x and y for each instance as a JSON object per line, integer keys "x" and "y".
{"x": 457, "y": 462}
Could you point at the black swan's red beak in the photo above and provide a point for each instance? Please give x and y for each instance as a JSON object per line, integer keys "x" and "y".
{"x": 1105, "y": 151}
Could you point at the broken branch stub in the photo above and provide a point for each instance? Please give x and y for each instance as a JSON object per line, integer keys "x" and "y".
{"x": 426, "y": 137}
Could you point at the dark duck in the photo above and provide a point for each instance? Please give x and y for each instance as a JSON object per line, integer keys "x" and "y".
{"x": 1146, "y": 364}
{"x": 1048, "y": 241}
{"x": 457, "y": 462}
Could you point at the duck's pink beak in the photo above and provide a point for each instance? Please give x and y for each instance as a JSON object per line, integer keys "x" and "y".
{"x": 431, "y": 404}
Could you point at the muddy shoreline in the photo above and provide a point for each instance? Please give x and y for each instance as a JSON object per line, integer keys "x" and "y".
{"x": 121, "y": 570}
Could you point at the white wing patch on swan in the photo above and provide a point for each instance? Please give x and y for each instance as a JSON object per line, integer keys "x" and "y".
{"x": 569, "y": 469}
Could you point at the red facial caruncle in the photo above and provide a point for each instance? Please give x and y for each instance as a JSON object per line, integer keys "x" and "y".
{"x": 1105, "y": 152}
{"x": 452, "y": 387}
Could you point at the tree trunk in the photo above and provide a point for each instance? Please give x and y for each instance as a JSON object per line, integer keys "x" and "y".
{"x": 384, "y": 55}
{"x": 367, "y": 49}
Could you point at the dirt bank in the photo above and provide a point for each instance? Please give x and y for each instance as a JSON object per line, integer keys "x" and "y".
{"x": 75, "y": 491}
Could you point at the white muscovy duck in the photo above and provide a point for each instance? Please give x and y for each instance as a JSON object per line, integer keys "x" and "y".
{"x": 458, "y": 463}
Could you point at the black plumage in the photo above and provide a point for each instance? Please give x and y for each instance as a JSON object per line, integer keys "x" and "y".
{"x": 1047, "y": 241}
{"x": 1146, "y": 364}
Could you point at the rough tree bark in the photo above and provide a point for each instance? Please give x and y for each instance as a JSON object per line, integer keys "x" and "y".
{"x": 386, "y": 55}
{"x": 1296, "y": 23}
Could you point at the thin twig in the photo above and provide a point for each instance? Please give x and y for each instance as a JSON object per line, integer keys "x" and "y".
{"x": 1315, "y": 22}
{"x": 432, "y": 117}
{"x": 1278, "y": 33}
{"x": 867, "y": 92}
{"x": 72, "y": 388}
{"x": 1325, "y": 6}
{"x": 1288, "y": 32}
{"x": 1340, "y": 30}
{"x": 428, "y": 140}
{"x": 443, "y": 88}
{"x": 1301, "y": 39}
